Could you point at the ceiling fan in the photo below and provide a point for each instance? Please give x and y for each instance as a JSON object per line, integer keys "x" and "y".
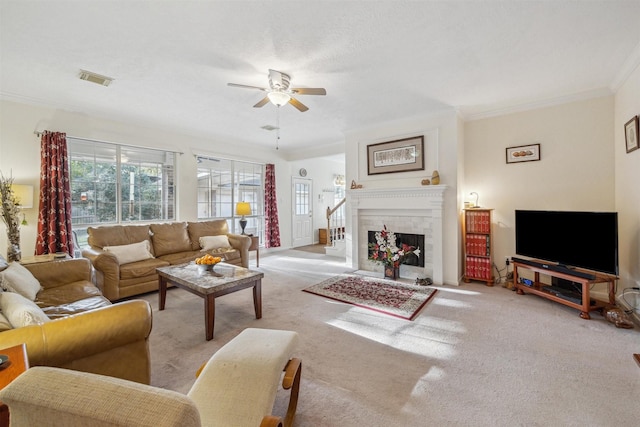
{"x": 280, "y": 93}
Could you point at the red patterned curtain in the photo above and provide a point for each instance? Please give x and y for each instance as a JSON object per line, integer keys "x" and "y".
{"x": 271, "y": 227}
{"x": 54, "y": 218}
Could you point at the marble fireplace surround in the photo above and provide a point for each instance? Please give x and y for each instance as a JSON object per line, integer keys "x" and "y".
{"x": 415, "y": 210}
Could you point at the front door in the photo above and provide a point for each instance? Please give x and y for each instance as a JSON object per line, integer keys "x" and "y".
{"x": 302, "y": 212}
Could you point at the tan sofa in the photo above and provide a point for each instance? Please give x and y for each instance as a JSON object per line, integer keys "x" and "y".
{"x": 168, "y": 243}
{"x": 87, "y": 333}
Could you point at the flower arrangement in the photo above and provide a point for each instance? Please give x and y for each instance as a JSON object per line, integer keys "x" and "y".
{"x": 10, "y": 216}
{"x": 386, "y": 251}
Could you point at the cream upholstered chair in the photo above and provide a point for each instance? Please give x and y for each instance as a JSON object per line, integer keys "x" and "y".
{"x": 236, "y": 387}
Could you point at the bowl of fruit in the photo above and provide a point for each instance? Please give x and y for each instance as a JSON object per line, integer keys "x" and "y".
{"x": 207, "y": 262}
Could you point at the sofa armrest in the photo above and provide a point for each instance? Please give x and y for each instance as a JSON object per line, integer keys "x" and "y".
{"x": 111, "y": 340}
{"x": 241, "y": 243}
{"x": 48, "y": 396}
{"x": 61, "y": 272}
{"x": 107, "y": 271}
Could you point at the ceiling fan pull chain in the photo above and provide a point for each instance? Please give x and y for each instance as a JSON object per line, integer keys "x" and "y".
{"x": 277, "y": 126}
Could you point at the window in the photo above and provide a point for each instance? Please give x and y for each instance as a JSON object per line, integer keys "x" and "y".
{"x": 302, "y": 198}
{"x": 222, "y": 183}
{"x": 115, "y": 183}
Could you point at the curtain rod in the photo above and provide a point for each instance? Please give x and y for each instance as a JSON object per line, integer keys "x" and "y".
{"x": 218, "y": 158}
{"x": 110, "y": 142}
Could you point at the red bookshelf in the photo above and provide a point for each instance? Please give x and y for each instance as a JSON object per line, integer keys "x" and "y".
{"x": 477, "y": 245}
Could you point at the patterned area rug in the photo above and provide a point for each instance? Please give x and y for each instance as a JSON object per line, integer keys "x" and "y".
{"x": 385, "y": 296}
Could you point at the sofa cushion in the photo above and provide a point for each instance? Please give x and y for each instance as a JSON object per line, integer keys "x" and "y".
{"x": 180, "y": 257}
{"x": 20, "y": 311}
{"x": 67, "y": 293}
{"x": 140, "y": 269}
{"x": 170, "y": 238}
{"x": 115, "y": 235}
{"x": 3, "y": 263}
{"x": 132, "y": 252}
{"x": 214, "y": 242}
{"x": 17, "y": 278}
{"x": 200, "y": 229}
{"x": 229, "y": 255}
{"x": 67, "y": 309}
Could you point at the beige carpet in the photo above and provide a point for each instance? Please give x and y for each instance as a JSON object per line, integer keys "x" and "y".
{"x": 478, "y": 356}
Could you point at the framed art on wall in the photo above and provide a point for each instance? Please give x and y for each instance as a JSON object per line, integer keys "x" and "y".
{"x": 631, "y": 134}
{"x": 523, "y": 153}
{"x": 402, "y": 155}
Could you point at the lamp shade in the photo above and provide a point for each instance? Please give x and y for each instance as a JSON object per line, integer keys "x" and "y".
{"x": 278, "y": 98}
{"x": 243, "y": 208}
{"x": 24, "y": 195}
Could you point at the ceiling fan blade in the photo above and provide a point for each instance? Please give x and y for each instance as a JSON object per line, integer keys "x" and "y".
{"x": 246, "y": 86}
{"x": 309, "y": 91}
{"x": 262, "y": 102}
{"x": 299, "y": 105}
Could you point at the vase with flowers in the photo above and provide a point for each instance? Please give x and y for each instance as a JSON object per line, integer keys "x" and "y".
{"x": 11, "y": 218}
{"x": 387, "y": 252}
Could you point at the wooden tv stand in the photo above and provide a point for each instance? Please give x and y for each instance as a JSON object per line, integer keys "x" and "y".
{"x": 537, "y": 287}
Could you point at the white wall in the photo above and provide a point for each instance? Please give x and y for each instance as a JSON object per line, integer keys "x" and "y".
{"x": 627, "y": 176}
{"x": 442, "y": 139}
{"x": 20, "y": 157}
{"x": 576, "y": 170}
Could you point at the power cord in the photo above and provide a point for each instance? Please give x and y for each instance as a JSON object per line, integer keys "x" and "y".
{"x": 634, "y": 307}
{"x": 499, "y": 277}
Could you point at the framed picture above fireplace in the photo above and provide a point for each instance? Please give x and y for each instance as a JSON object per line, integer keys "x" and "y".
{"x": 402, "y": 155}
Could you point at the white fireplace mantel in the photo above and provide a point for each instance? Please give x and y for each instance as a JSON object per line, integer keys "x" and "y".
{"x": 416, "y": 202}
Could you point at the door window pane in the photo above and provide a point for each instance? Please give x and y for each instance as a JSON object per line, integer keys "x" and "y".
{"x": 302, "y": 198}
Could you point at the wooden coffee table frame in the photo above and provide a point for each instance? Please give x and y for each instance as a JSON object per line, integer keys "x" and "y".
{"x": 210, "y": 295}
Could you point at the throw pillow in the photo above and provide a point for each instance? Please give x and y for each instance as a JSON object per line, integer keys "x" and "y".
{"x": 16, "y": 278}
{"x": 3, "y": 263}
{"x": 5, "y": 325}
{"x": 208, "y": 243}
{"x": 198, "y": 229}
{"x": 20, "y": 311}
{"x": 132, "y": 252}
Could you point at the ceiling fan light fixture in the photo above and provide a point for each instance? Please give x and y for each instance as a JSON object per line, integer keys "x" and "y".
{"x": 278, "y": 98}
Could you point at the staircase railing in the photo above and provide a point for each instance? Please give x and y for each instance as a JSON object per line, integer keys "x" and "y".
{"x": 335, "y": 223}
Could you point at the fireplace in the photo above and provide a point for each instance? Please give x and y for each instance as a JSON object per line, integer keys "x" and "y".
{"x": 410, "y": 239}
{"x": 403, "y": 210}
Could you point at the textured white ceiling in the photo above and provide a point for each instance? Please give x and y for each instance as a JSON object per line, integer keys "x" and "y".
{"x": 379, "y": 61}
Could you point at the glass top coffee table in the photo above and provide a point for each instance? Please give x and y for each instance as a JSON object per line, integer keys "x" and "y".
{"x": 224, "y": 279}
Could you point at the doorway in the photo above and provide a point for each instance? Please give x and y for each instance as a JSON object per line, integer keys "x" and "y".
{"x": 302, "y": 190}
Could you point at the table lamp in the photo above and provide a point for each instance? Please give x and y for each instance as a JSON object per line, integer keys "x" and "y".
{"x": 243, "y": 208}
{"x": 24, "y": 197}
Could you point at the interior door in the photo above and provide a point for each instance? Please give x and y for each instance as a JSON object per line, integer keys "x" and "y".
{"x": 302, "y": 212}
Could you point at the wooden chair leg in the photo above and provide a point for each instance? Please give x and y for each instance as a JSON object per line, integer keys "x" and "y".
{"x": 271, "y": 421}
{"x": 291, "y": 380}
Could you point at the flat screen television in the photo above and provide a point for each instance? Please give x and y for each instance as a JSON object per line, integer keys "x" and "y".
{"x": 586, "y": 240}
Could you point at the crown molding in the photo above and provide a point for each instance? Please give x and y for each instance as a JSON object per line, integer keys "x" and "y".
{"x": 582, "y": 96}
{"x": 630, "y": 65}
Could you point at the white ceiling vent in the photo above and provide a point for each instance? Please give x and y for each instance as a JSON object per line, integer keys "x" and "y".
{"x": 95, "y": 78}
